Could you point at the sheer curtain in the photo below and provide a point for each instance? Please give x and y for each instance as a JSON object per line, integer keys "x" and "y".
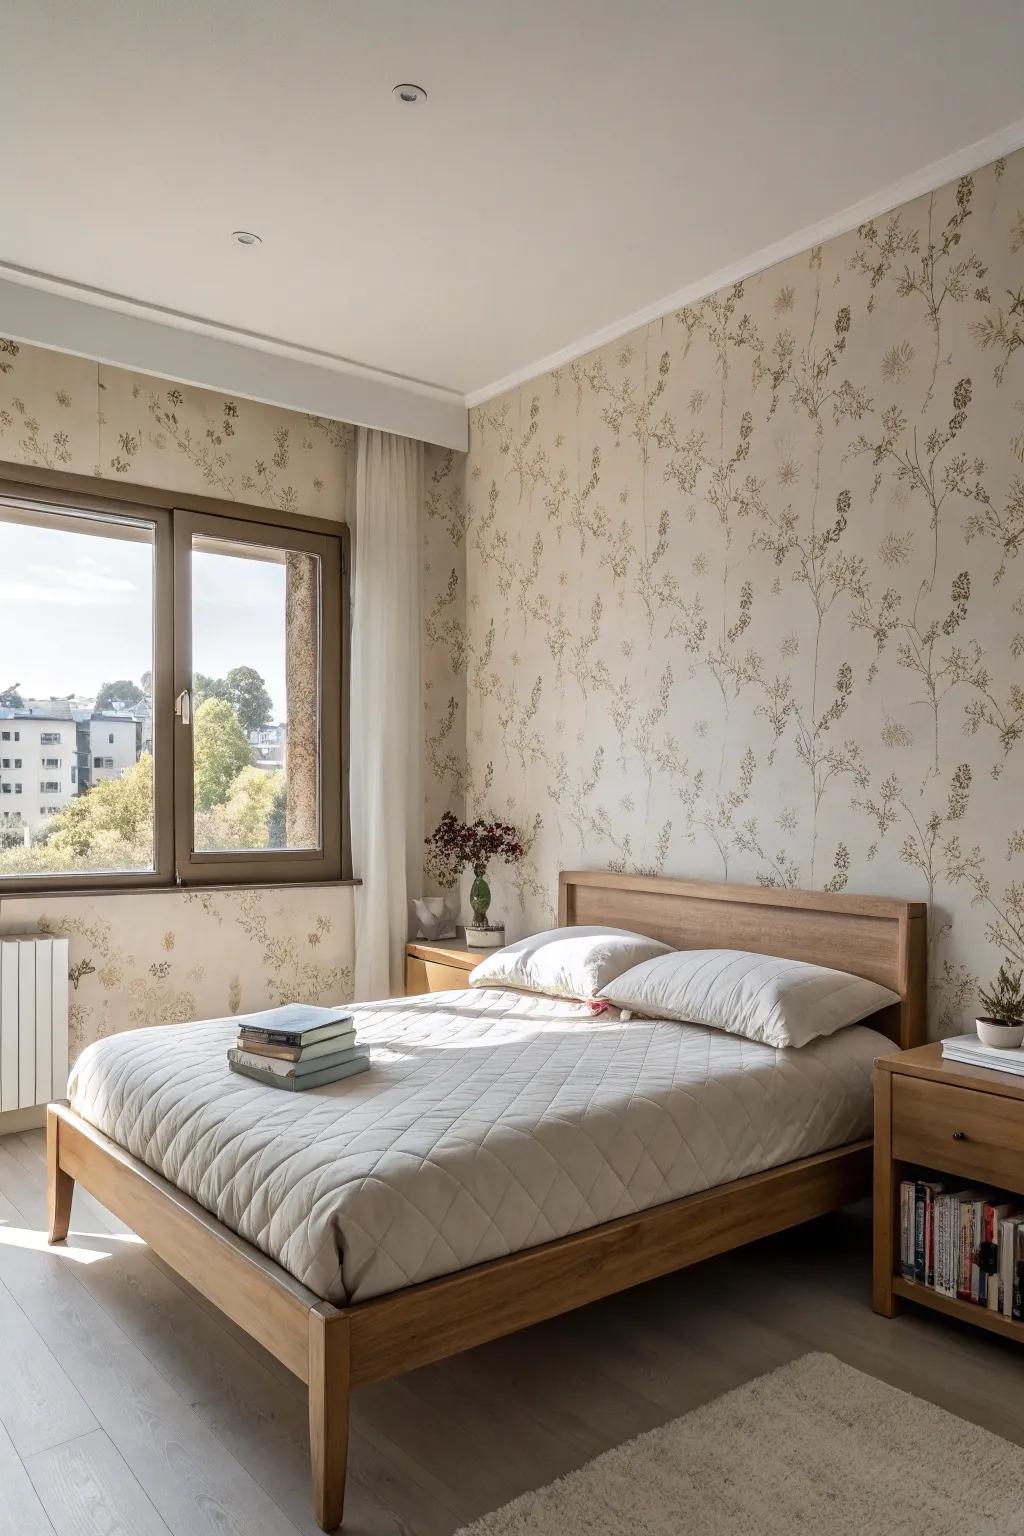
{"x": 386, "y": 705}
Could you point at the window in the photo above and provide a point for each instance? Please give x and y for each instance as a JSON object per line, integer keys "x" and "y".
{"x": 17, "y": 762}
{"x": 219, "y": 635}
{"x": 17, "y": 791}
{"x": 5, "y": 788}
{"x": 6, "y": 763}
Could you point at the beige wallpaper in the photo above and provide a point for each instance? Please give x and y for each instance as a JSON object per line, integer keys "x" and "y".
{"x": 159, "y": 957}
{"x": 743, "y": 594}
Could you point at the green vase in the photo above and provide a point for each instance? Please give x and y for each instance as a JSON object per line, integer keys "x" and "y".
{"x": 480, "y": 896}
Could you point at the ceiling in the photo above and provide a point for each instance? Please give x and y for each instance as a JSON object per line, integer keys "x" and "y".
{"x": 578, "y": 161}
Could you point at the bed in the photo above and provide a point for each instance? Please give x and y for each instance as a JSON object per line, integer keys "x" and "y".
{"x": 510, "y": 1157}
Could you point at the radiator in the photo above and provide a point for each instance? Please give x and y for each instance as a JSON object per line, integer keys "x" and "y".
{"x": 33, "y": 1020}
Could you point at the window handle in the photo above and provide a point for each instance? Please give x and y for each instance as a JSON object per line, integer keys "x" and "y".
{"x": 183, "y": 707}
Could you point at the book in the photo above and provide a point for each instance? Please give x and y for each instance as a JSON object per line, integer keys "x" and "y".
{"x": 969, "y": 1050}
{"x": 907, "y": 1216}
{"x": 926, "y": 1193}
{"x": 294, "y": 1024}
{"x": 1018, "y": 1277}
{"x": 1007, "y": 1254}
{"x": 359, "y": 1063}
{"x": 259, "y": 1063}
{"x": 966, "y": 1199}
{"x": 995, "y": 1214}
{"x": 946, "y": 1205}
{"x": 325, "y": 1047}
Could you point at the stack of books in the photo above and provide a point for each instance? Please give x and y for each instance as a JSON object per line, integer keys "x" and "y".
{"x": 297, "y": 1047}
{"x": 966, "y": 1243}
{"x": 969, "y": 1049}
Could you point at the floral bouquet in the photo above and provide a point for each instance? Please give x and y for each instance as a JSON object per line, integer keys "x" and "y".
{"x": 452, "y": 846}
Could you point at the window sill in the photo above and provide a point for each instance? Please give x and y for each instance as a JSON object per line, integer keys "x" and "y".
{"x": 55, "y": 893}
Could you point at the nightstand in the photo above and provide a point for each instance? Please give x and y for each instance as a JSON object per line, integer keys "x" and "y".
{"x": 944, "y": 1118}
{"x": 439, "y": 965}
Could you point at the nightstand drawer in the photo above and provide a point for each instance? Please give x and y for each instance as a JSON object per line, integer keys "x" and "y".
{"x": 955, "y": 1130}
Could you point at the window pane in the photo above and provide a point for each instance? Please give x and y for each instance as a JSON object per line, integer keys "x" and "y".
{"x": 256, "y": 676}
{"x": 76, "y": 668}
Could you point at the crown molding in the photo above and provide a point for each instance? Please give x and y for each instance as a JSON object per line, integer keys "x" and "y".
{"x": 66, "y": 317}
{"x": 1003, "y": 142}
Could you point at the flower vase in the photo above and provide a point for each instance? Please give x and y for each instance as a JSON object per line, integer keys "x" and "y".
{"x": 481, "y": 934}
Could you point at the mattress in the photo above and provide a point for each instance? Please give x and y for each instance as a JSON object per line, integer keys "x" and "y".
{"x": 490, "y": 1121}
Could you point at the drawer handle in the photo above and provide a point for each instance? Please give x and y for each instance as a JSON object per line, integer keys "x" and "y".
{"x": 959, "y": 1136}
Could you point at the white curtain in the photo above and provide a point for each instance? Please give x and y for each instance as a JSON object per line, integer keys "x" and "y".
{"x": 386, "y": 705}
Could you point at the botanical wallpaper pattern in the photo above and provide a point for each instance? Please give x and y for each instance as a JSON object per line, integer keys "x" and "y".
{"x": 742, "y": 595}
{"x": 160, "y": 957}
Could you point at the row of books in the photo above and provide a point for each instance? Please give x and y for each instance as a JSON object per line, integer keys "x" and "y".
{"x": 297, "y": 1047}
{"x": 964, "y": 1243}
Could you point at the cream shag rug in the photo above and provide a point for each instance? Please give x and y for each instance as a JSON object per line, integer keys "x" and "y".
{"x": 813, "y": 1447}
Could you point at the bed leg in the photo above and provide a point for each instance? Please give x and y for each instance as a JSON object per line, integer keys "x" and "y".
{"x": 60, "y": 1186}
{"x": 328, "y": 1411}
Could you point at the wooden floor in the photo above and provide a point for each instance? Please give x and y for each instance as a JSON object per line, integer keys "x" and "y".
{"x": 129, "y": 1407}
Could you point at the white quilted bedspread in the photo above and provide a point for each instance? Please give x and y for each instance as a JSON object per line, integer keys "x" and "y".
{"x": 490, "y": 1121}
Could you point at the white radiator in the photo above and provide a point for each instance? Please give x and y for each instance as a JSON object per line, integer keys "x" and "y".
{"x": 33, "y": 1020}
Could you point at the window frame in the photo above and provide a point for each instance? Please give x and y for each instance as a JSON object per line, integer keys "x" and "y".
{"x": 174, "y": 517}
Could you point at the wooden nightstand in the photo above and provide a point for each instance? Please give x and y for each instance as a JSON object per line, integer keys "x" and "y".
{"x": 944, "y": 1118}
{"x": 439, "y": 965}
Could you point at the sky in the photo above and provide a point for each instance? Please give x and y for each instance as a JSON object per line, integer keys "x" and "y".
{"x": 76, "y": 612}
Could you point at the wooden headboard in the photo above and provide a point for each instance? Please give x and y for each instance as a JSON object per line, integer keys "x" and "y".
{"x": 873, "y": 936}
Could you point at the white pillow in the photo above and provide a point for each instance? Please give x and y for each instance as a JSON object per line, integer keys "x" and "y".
{"x": 566, "y": 962}
{"x": 779, "y": 1002}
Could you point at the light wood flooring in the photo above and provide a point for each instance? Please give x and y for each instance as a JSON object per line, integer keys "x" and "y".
{"x": 129, "y": 1407}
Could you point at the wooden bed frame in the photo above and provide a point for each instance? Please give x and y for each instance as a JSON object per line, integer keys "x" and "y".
{"x": 333, "y": 1349}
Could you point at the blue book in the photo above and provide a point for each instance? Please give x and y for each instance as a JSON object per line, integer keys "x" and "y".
{"x": 294, "y": 1024}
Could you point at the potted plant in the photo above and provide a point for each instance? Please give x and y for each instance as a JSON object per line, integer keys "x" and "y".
{"x": 452, "y": 846}
{"x": 1002, "y": 1023}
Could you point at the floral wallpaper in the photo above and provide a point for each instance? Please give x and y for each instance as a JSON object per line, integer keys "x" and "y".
{"x": 743, "y": 594}
{"x": 161, "y": 957}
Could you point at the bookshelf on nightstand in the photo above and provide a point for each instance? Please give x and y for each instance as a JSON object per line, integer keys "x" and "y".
{"x": 946, "y": 1118}
{"x": 440, "y": 965}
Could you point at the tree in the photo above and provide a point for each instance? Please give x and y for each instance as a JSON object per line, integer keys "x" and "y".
{"x": 247, "y": 691}
{"x": 242, "y": 820}
{"x": 122, "y": 695}
{"x": 220, "y": 752}
{"x": 110, "y": 827}
{"x": 10, "y": 698}
{"x": 204, "y": 688}
{"x": 243, "y": 688}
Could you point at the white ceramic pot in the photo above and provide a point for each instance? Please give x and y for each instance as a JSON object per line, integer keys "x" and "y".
{"x": 1005, "y": 1037}
{"x": 491, "y": 937}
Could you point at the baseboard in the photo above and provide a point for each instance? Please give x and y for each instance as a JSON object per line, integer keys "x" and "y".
{"x": 13, "y": 1120}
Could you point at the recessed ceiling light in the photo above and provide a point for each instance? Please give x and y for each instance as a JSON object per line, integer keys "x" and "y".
{"x": 409, "y": 94}
{"x": 245, "y": 237}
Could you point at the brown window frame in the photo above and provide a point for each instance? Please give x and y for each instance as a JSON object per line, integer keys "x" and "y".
{"x": 174, "y": 518}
